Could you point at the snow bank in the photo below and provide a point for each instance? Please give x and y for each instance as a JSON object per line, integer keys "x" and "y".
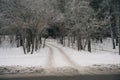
{"x": 15, "y": 56}
{"x": 87, "y": 59}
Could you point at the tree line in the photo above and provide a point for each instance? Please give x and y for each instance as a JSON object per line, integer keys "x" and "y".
{"x": 78, "y": 22}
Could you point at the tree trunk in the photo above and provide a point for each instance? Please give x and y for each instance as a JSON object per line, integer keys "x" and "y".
{"x": 40, "y": 40}
{"x": 0, "y": 39}
{"x": 89, "y": 45}
{"x": 32, "y": 47}
{"x": 28, "y": 44}
{"x": 64, "y": 42}
{"x": 85, "y": 44}
{"x": 119, "y": 32}
{"x": 68, "y": 41}
{"x": 101, "y": 40}
{"x": 112, "y": 24}
{"x": 78, "y": 44}
{"x": 112, "y": 36}
{"x": 80, "y": 47}
{"x": 74, "y": 39}
{"x": 33, "y": 44}
{"x": 24, "y": 48}
{"x": 117, "y": 41}
{"x": 118, "y": 4}
{"x": 18, "y": 41}
{"x": 21, "y": 42}
{"x": 44, "y": 42}
{"x": 36, "y": 44}
{"x": 61, "y": 40}
{"x": 116, "y": 22}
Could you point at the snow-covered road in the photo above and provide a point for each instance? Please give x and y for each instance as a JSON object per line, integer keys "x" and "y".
{"x": 58, "y": 62}
{"x": 61, "y": 59}
{"x": 55, "y": 59}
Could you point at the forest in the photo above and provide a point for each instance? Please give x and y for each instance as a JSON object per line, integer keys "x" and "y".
{"x": 29, "y": 23}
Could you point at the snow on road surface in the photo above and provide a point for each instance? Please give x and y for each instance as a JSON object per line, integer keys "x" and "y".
{"x": 56, "y": 59}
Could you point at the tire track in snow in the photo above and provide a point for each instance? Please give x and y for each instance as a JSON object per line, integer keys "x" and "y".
{"x": 49, "y": 63}
{"x": 82, "y": 70}
{"x": 71, "y": 62}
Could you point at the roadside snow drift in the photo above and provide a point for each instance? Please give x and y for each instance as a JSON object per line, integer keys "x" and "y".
{"x": 15, "y": 56}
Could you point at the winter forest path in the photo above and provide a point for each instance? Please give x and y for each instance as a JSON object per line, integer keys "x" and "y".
{"x": 55, "y": 53}
{"x": 59, "y": 58}
{"x": 63, "y": 55}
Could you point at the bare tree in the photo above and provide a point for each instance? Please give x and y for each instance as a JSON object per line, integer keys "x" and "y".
{"x": 30, "y": 19}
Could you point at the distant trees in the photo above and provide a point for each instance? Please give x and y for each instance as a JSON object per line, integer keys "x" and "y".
{"x": 81, "y": 15}
{"x": 76, "y": 22}
{"x": 109, "y": 11}
{"x": 29, "y": 20}
{"x": 86, "y": 20}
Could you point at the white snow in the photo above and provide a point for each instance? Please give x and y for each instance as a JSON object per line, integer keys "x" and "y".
{"x": 103, "y": 56}
{"x": 15, "y": 56}
{"x": 58, "y": 59}
{"x": 106, "y": 46}
{"x": 52, "y": 61}
{"x": 88, "y": 59}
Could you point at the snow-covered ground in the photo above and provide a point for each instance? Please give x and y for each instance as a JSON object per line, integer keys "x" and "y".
{"x": 105, "y": 47}
{"x": 56, "y": 59}
{"x": 85, "y": 58}
{"x": 15, "y": 56}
